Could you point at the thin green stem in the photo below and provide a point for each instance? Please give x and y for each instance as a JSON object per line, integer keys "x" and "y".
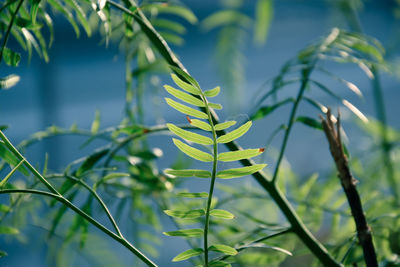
{"x": 7, "y": 35}
{"x": 95, "y": 195}
{"x": 90, "y": 219}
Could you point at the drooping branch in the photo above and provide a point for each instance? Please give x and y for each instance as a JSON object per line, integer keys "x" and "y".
{"x": 349, "y": 186}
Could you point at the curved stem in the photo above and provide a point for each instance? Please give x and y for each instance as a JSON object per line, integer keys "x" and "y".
{"x": 83, "y": 214}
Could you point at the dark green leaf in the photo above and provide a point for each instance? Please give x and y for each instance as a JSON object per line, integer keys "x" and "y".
{"x": 9, "y": 157}
{"x": 11, "y": 58}
{"x": 193, "y": 195}
{"x": 266, "y": 110}
{"x": 309, "y": 122}
{"x": 8, "y": 230}
{"x": 3, "y": 254}
{"x": 91, "y": 160}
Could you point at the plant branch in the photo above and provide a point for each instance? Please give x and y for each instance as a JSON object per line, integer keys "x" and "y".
{"x": 297, "y": 225}
{"x": 83, "y": 214}
{"x": 349, "y": 186}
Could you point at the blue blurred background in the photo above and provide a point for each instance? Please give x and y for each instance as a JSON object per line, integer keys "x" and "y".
{"x": 84, "y": 76}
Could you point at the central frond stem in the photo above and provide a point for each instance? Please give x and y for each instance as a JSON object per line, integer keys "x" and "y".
{"x": 213, "y": 176}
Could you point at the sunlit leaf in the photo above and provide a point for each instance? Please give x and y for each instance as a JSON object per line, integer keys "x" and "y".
{"x": 185, "y": 214}
{"x": 226, "y": 17}
{"x": 9, "y": 81}
{"x": 262, "y": 245}
{"x": 193, "y": 152}
{"x": 240, "y": 154}
{"x": 235, "y": 133}
{"x": 224, "y": 125}
{"x": 185, "y": 233}
{"x": 223, "y": 249}
{"x": 181, "y": 11}
{"x": 186, "y": 110}
{"x": 185, "y": 86}
{"x": 189, "y": 136}
{"x": 184, "y": 96}
{"x": 188, "y": 254}
{"x": 355, "y": 110}
{"x": 96, "y": 123}
{"x": 200, "y": 124}
{"x": 213, "y": 92}
{"x": 80, "y": 15}
{"x": 189, "y": 173}
{"x": 222, "y": 214}
{"x": 239, "y": 172}
{"x": 193, "y": 195}
{"x": 215, "y": 106}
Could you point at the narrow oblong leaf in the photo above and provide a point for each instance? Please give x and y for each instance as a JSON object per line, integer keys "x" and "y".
{"x": 200, "y": 124}
{"x": 223, "y": 249}
{"x": 188, "y": 254}
{"x": 189, "y": 136}
{"x": 215, "y": 106}
{"x": 96, "y": 123}
{"x": 8, "y": 230}
{"x": 240, "y": 154}
{"x": 185, "y": 86}
{"x": 184, "y": 96}
{"x": 224, "y": 125}
{"x": 223, "y": 214}
{"x": 186, "y": 110}
{"x": 10, "y": 57}
{"x": 309, "y": 122}
{"x": 239, "y": 172}
{"x": 235, "y": 133}
{"x": 213, "y": 92}
{"x": 185, "y": 233}
{"x": 192, "y": 195}
{"x": 220, "y": 264}
{"x": 189, "y": 173}
{"x": 266, "y": 110}
{"x": 185, "y": 214}
{"x": 193, "y": 152}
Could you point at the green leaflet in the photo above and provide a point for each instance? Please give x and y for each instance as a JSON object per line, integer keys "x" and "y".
{"x": 213, "y": 92}
{"x": 240, "y": 154}
{"x": 223, "y": 214}
{"x": 193, "y": 152}
{"x": 200, "y": 124}
{"x": 184, "y": 96}
{"x": 223, "y": 249}
{"x": 215, "y": 106}
{"x": 185, "y": 233}
{"x": 189, "y": 195}
{"x": 220, "y": 264}
{"x": 309, "y": 122}
{"x": 10, "y": 57}
{"x": 189, "y": 136}
{"x": 185, "y": 109}
{"x": 8, "y": 176}
{"x": 235, "y": 133}
{"x": 185, "y": 214}
{"x": 185, "y": 86}
{"x": 224, "y": 125}
{"x": 189, "y": 173}
{"x": 188, "y": 254}
{"x": 96, "y": 123}
{"x": 8, "y": 230}
{"x": 238, "y": 172}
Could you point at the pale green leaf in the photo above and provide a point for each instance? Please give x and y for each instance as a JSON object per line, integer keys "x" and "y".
{"x": 185, "y": 214}
{"x": 213, "y": 92}
{"x": 188, "y": 173}
{"x": 189, "y": 136}
{"x": 190, "y": 195}
{"x": 185, "y": 233}
{"x": 223, "y": 249}
{"x": 184, "y": 96}
{"x": 185, "y": 86}
{"x": 186, "y": 110}
{"x": 96, "y": 123}
{"x": 264, "y": 13}
{"x": 9, "y": 81}
{"x": 193, "y": 152}
{"x": 215, "y": 106}
{"x": 200, "y": 124}
{"x": 224, "y": 125}
{"x": 235, "y": 133}
{"x": 223, "y": 214}
{"x": 4, "y": 208}
{"x": 240, "y": 154}
{"x": 179, "y": 10}
{"x": 8, "y": 176}
{"x": 188, "y": 254}
{"x": 239, "y": 172}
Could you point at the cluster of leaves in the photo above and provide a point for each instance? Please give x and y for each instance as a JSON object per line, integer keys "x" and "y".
{"x": 192, "y": 94}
